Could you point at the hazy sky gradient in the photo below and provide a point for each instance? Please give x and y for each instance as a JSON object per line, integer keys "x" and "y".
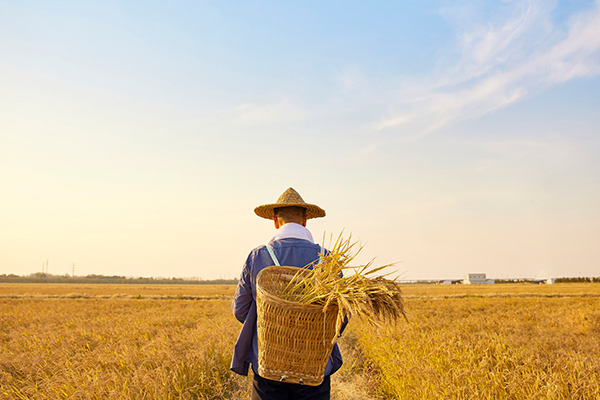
{"x": 452, "y": 137}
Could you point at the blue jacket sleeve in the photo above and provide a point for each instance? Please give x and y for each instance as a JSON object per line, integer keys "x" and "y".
{"x": 242, "y": 300}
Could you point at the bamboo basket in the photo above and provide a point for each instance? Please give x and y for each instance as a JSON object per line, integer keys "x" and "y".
{"x": 294, "y": 340}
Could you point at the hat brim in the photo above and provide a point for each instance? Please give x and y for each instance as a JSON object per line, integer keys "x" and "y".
{"x": 267, "y": 210}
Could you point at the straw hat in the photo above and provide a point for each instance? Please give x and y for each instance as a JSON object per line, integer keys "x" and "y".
{"x": 289, "y": 198}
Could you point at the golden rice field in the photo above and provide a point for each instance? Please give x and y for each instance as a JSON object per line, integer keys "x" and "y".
{"x": 516, "y": 341}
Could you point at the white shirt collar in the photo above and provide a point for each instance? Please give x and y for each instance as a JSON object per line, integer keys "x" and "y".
{"x": 292, "y": 230}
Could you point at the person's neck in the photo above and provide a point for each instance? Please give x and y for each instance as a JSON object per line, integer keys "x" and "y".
{"x": 283, "y": 223}
{"x": 293, "y": 230}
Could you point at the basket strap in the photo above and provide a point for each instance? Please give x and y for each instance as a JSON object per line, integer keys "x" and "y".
{"x": 276, "y": 261}
{"x": 323, "y": 253}
{"x": 272, "y": 254}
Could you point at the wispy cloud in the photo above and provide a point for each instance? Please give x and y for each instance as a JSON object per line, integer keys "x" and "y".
{"x": 266, "y": 114}
{"x": 256, "y": 115}
{"x": 500, "y": 64}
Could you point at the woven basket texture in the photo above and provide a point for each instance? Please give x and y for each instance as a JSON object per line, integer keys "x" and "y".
{"x": 294, "y": 339}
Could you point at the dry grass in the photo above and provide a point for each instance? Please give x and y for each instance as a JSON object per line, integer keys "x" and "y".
{"x": 490, "y": 348}
{"x": 492, "y": 341}
{"x": 42, "y": 290}
{"x": 376, "y": 299}
{"x": 499, "y": 290}
{"x": 117, "y": 349}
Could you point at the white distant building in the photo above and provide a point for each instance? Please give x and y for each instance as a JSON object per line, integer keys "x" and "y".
{"x": 477, "y": 279}
{"x": 548, "y": 281}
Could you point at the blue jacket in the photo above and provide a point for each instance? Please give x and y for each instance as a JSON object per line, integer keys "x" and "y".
{"x": 289, "y": 252}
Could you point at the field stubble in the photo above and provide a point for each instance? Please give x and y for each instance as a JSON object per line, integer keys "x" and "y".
{"x": 492, "y": 341}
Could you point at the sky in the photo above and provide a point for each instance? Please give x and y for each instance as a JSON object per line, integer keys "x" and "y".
{"x": 448, "y": 137}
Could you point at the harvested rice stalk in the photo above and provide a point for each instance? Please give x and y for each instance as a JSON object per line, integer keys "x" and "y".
{"x": 376, "y": 299}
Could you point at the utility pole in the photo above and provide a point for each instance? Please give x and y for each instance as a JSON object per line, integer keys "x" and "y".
{"x": 73, "y": 271}
{"x": 46, "y": 266}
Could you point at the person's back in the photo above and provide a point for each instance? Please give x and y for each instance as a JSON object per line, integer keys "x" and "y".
{"x": 293, "y": 245}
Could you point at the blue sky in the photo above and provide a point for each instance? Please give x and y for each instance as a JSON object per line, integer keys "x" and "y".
{"x": 452, "y": 137}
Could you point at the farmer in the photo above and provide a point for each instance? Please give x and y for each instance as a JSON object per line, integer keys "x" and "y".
{"x": 292, "y": 245}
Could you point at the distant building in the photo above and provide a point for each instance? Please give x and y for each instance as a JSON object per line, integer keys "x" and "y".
{"x": 472, "y": 279}
{"x": 548, "y": 281}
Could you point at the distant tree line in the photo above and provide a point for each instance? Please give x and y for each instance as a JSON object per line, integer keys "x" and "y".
{"x": 501, "y": 281}
{"x": 557, "y": 280}
{"x": 578, "y": 280}
{"x": 40, "y": 277}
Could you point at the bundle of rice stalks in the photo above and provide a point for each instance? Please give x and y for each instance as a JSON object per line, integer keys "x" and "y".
{"x": 376, "y": 299}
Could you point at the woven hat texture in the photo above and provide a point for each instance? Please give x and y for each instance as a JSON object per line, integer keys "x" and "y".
{"x": 289, "y": 198}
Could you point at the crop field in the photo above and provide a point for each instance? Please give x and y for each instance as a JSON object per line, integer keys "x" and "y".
{"x": 518, "y": 341}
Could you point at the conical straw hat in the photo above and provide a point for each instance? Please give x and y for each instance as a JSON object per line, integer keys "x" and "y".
{"x": 289, "y": 198}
